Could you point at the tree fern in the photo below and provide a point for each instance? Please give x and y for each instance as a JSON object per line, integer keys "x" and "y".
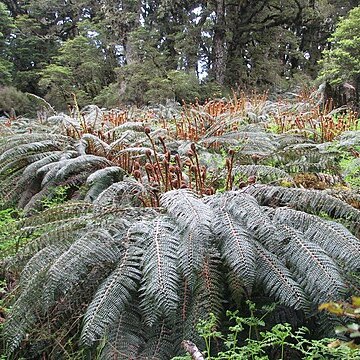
{"x": 263, "y": 173}
{"x": 101, "y": 179}
{"x": 333, "y": 237}
{"x": 305, "y": 257}
{"x": 97, "y": 247}
{"x": 149, "y": 275}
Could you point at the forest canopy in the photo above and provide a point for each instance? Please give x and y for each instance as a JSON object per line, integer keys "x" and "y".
{"x": 109, "y": 52}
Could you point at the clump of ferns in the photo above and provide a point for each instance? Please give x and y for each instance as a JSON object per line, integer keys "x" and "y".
{"x": 147, "y": 276}
{"x": 218, "y": 117}
{"x": 163, "y": 172}
{"x": 317, "y": 125}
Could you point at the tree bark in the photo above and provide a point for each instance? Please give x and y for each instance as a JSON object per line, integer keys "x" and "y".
{"x": 219, "y": 41}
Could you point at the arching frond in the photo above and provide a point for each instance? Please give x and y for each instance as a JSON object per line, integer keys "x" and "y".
{"x": 30, "y": 180}
{"x": 124, "y": 193}
{"x": 333, "y": 237}
{"x": 159, "y": 342}
{"x": 305, "y": 157}
{"x": 21, "y": 144}
{"x": 24, "y": 313}
{"x": 263, "y": 173}
{"x": 124, "y": 340}
{"x": 40, "y": 262}
{"x": 337, "y": 241}
{"x": 81, "y": 164}
{"x": 193, "y": 218}
{"x": 278, "y": 281}
{"x": 91, "y": 144}
{"x": 205, "y": 298}
{"x": 96, "y": 247}
{"x": 110, "y": 300}
{"x": 237, "y": 247}
{"x": 317, "y": 269}
{"x": 313, "y": 201}
{"x": 101, "y": 179}
{"x": 160, "y": 276}
{"x": 246, "y": 208}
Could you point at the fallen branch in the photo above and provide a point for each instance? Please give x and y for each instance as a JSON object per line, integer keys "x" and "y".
{"x": 192, "y": 349}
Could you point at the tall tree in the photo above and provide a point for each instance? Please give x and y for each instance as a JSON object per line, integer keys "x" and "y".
{"x": 6, "y": 25}
{"x": 341, "y": 63}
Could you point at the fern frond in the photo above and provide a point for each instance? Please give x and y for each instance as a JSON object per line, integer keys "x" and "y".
{"x": 188, "y": 210}
{"x": 40, "y": 262}
{"x": 297, "y": 219}
{"x": 96, "y": 247}
{"x": 62, "y": 233}
{"x": 263, "y": 173}
{"x": 112, "y": 297}
{"x": 30, "y": 180}
{"x": 81, "y": 164}
{"x": 251, "y": 142}
{"x": 91, "y": 144}
{"x": 333, "y": 237}
{"x": 314, "y": 201}
{"x": 159, "y": 342}
{"x": 316, "y": 269}
{"x": 24, "y": 313}
{"x": 160, "y": 278}
{"x": 193, "y": 218}
{"x": 123, "y": 194}
{"x": 277, "y": 280}
{"x": 206, "y": 297}
{"x": 305, "y": 157}
{"x": 246, "y": 209}
{"x": 101, "y": 180}
{"x": 236, "y": 247}
{"x": 21, "y": 144}
{"x": 191, "y": 255}
{"x": 124, "y": 340}
{"x": 337, "y": 241}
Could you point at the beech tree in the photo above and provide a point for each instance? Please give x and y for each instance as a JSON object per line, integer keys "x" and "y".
{"x": 341, "y": 62}
{"x": 138, "y": 47}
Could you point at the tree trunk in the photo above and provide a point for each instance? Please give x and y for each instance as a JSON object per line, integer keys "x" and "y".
{"x": 219, "y": 41}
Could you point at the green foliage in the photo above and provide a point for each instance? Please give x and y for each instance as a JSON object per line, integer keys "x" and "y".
{"x": 9, "y": 242}
{"x": 6, "y": 26}
{"x": 14, "y": 100}
{"x": 341, "y": 63}
{"x": 117, "y": 278}
{"x": 136, "y": 264}
{"x": 77, "y": 70}
{"x": 166, "y": 50}
{"x": 351, "y": 170}
{"x": 145, "y": 85}
{"x": 58, "y": 196}
{"x": 281, "y": 340}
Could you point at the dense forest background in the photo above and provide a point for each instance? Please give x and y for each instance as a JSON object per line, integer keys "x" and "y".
{"x": 110, "y": 52}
